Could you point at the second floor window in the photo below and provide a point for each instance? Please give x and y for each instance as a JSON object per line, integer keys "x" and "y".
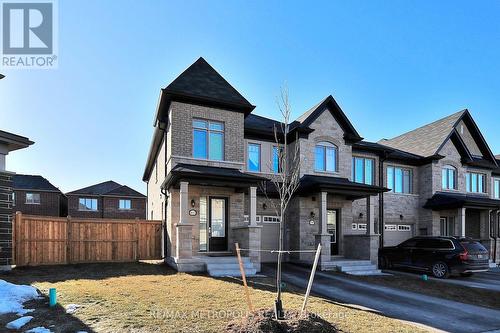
{"x": 125, "y": 204}
{"x": 208, "y": 140}
{"x": 448, "y": 178}
{"x": 253, "y": 163}
{"x": 87, "y": 204}
{"x": 276, "y": 159}
{"x": 325, "y": 157}
{"x": 497, "y": 189}
{"x": 33, "y": 198}
{"x": 362, "y": 170}
{"x": 399, "y": 180}
{"x": 475, "y": 182}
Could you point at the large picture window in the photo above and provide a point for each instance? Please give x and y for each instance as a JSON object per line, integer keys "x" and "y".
{"x": 448, "y": 178}
{"x": 276, "y": 159}
{"x": 496, "y": 191}
{"x": 475, "y": 182}
{"x": 253, "y": 163}
{"x": 362, "y": 170}
{"x": 87, "y": 204}
{"x": 399, "y": 180}
{"x": 325, "y": 157}
{"x": 208, "y": 139}
{"x": 125, "y": 204}
{"x": 33, "y": 198}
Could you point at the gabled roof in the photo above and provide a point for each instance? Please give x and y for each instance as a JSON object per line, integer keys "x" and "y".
{"x": 108, "y": 188}
{"x": 33, "y": 182}
{"x": 14, "y": 141}
{"x": 329, "y": 103}
{"x": 426, "y": 140}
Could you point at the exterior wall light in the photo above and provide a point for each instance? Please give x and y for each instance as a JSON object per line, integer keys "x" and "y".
{"x": 360, "y": 215}
{"x": 193, "y": 203}
{"x": 401, "y": 217}
{"x": 312, "y": 215}
{"x": 264, "y": 206}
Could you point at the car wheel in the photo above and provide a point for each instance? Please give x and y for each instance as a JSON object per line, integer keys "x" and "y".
{"x": 384, "y": 262}
{"x": 466, "y": 274}
{"x": 440, "y": 270}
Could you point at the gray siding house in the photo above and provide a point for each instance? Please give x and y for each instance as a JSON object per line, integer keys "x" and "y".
{"x": 211, "y": 159}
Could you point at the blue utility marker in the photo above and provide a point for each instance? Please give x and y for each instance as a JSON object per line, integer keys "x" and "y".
{"x": 425, "y": 277}
{"x": 52, "y": 297}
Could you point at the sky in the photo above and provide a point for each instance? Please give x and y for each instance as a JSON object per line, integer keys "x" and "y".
{"x": 391, "y": 65}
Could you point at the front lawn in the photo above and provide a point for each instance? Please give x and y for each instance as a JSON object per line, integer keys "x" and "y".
{"x": 146, "y": 297}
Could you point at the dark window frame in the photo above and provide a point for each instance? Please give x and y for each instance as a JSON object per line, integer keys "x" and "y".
{"x": 364, "y": 169}
{"x": 410, "y": 181}
{"x": 208, "y": 130}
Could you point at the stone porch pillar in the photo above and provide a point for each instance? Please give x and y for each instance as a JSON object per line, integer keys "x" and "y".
{"x": 184, "y": 240}
{"x": 323, "y": 238}
{"x": 253, "y": 206}
{"x": 461, "y": 222}
{"x": 370, "y": 216}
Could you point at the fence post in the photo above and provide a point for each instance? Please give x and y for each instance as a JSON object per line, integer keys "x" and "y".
{"x": 136, "y": 243}
{"x": 69, "y": 243}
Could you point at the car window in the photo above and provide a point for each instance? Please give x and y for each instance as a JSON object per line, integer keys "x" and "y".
{"x": 409, "y": 243}
{"x": 473, "y": 246}
{"x": 434, "y": 243}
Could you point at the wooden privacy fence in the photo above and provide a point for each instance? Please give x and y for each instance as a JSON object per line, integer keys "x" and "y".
{"x": 46, "y": 240}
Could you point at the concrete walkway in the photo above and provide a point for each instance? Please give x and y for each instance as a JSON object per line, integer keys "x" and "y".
{"x": 430, "y": 311}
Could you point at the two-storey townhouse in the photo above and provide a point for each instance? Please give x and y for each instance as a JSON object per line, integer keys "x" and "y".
{"x": 210, "y": 162}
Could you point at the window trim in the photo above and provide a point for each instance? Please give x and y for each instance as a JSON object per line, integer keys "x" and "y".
{"x": 248, "y": 156}
{"x": 403, "y": 169}
{"x": 88, "y": 210}
{"x": 130, "y": 204}
{"x": 364, "y": 169}
{"x": 325, "y": 145}
{"x": 477, "y": 175}
{"x": 208, "y": 131}
{"x": 447, "y": 168}
{"x": 273, "y": 155}
{"x": 32, "y": 202}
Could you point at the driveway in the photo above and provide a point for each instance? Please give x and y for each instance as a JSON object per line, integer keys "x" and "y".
{"x": 430, "y": 311}
{"x": 487, "y": 280}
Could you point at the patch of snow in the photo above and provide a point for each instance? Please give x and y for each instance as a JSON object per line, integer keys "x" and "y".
{"x": 39, "y": 329}
{"x": 18, "y": 323}
{"x": 71, "y": 308}
{"x": 13, "y": 297}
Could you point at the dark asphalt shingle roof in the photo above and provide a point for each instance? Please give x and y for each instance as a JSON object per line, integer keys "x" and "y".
{"x": 444, "y": 200}
{"x": 426, "y": 140}
{"x": 110, "y": 188}
{"x": 32, "y": 182}
{"x": 202, "y": 80}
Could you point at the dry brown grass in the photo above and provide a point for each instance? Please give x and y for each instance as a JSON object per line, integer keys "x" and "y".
{"x": 153, "y": 298}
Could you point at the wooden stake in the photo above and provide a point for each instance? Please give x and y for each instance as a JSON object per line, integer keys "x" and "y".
{"x": 311, "y": 278}
{"x": 242, "y": 270}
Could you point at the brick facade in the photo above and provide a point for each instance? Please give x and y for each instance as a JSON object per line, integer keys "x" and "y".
{"x": 110, "y": 205}
{"x": 5, "y": 219}
{"x": 51, "y": 203}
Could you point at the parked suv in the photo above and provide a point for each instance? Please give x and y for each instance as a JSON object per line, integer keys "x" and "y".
{"x": 440, "y": 256}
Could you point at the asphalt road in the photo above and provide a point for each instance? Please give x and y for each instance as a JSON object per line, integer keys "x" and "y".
{"x": 430, "y": 311}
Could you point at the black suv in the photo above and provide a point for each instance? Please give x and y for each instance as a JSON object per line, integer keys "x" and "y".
{"x": 440, "y": 256}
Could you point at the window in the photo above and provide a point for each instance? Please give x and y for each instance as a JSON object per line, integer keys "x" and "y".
{"x": 361, "y": 226}
{"x": 13, "y": 198}
{"x": 253, "y": 163}
{"x": 276, "y": 159}
{"x": 497, "y": 189}
{"x": 399, "y": 180}
{"x": 447, "y": 225}
{"x": 475, "y": 182}
{"x": 325, "y": 157}
{"x": 354, "y": 226}
{"x": 87, "y": 204}
{"x": 403, "y": 227}
{"x": 448, "y": 177}
{"x": 391, "y": 227}
{"x": 203, "y": 224}
{"x": 208, "y": 140}
{"x": 362, "y": 170}
{"x": 33, "y": 198}
{"x": 270, "y": 219}
{"x": 125, "y": 204}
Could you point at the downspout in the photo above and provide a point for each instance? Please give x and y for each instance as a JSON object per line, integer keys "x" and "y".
{"x": 492, "y": 233}
{"x": 381, "y": 224}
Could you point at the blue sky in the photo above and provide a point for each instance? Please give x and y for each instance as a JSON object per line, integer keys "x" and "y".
{"x": 391, "y": 65}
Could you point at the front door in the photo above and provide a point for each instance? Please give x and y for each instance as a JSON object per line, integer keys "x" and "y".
{"x": 333, "y": 229}
{"x": 217, "y": 224}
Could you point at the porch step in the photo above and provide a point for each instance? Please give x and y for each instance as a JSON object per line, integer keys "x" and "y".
{"x": 353, "y": 267}
{"x": 228, "y": 266}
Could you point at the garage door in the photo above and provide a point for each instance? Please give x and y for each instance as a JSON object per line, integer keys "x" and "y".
{"x": 270, "y": 239}
{"x": 397, "y": 233}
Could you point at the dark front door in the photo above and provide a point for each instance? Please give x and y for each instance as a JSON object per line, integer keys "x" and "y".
{"x": 333, "y": 229}
{"x": 217, "y": 224}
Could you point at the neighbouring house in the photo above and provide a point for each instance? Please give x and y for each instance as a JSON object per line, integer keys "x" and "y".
{"x": 107, "y": 200}
{"x": 8, "y": 142}
{"x": 35, "y": 195}
{"x": 210, "y": 158}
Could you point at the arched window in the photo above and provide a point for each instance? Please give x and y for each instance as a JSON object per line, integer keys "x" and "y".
{"x": 325, "y": 157}
{"x": 449, "y": 177}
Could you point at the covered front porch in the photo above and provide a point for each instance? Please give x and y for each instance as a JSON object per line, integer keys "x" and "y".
{"x": 342, "y": 240}
{"x": 205, "y": 217}
{"x": 472, "y": 216}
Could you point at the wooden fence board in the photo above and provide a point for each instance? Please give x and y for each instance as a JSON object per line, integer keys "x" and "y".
{"x": 45, "y": 240}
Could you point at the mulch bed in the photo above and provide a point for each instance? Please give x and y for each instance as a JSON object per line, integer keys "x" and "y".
{"x": 263, "y": 321}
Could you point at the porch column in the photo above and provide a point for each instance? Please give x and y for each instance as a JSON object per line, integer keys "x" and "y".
{"x": 323, "y": 238}
{"x": 184, "y": 240}
{"x": 370, "y": 216}
{"x": 253, "y": 206}
{"x": 461, "y": 222}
